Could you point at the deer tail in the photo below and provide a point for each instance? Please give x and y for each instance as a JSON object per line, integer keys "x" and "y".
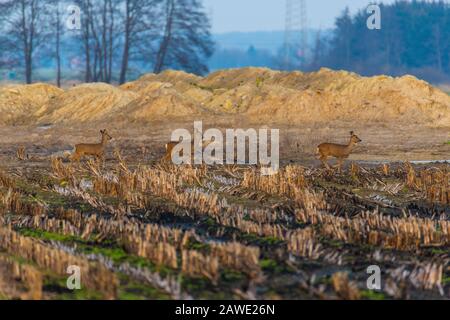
{"x": 317, "y": 152}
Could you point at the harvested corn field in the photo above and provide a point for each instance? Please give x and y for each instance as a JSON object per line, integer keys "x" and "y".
{"x": 158, "y": 231}
{"x": 135, "y": 226}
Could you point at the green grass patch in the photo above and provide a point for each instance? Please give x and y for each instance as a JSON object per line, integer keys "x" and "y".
{"x": 109, "y": 249}
{"x": 254, "y": 239}
{"x": 268, "y": 264}
{"x": 58, "y": 288}
{"x": 438, "y": 251}
{"x": 132, "y": 290}
{"x": 372, "y": 295}
{"x": 49, "y": 236}
{"x": 232, "y": 276}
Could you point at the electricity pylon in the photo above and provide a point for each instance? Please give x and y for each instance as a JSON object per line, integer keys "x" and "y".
{"x": 296, "y": 24}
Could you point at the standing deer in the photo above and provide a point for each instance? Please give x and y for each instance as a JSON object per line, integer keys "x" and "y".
{"x": 92, "y": 149}
{"x": 171, "y": 144}
{"x": 338, "y": 151}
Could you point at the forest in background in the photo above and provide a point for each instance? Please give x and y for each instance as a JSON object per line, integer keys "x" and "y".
{"x": 106, "y": 40}
{"x": 120, "y": 40}
{"x": 414, "y": 38}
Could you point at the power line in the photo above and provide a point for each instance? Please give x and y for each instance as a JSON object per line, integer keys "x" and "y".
{"x": 296, "y": 24}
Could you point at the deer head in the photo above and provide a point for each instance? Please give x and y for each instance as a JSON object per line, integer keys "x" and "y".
{"x": 354, "y": 139}
{"x": 105, "y": 135}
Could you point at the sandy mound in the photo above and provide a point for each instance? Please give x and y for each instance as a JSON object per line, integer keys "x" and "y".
{"x": 145, "y": 99}
{"x": 19, "y": 102}
{"x": 86, "y": 102}
{"x": 233, "y": 78}
{"x": 180, "y": 80}
{"x": 160, "y": 101}
{"x": 257, "y": 94}
{"x": 265, "y": 95}
{"x": 326, "y": 95}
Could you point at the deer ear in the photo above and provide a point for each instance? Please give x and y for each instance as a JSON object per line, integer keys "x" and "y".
{"x": 351, "y": 133}
{"x": 102, "y": 131}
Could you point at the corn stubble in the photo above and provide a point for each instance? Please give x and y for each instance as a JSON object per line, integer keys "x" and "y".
{"x": 202, "y": 222}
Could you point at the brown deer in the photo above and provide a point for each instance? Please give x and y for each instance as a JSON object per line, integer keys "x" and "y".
{"x": 171, "y": 144}
{"x": 169, "y": 147}
{"x": 92, "y": 149}
{"x": 338, "y": 151}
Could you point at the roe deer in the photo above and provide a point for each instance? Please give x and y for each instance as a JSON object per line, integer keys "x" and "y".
{"x": 171, "y": 144}
{"x": 339, "y": 151}
{"x": 92, "y": 149}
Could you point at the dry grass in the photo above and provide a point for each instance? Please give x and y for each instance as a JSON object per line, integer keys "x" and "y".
{"x": 204, "y": 222}
{"x": 345, "y": 289}
{"x": 96, "y": 277}
{"x": 20, "y": 281}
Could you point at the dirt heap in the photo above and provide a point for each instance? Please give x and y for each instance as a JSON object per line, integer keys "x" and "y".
{"x": 19, "y": 102}
{"x": 178, "y": 82}
{"x": 86, "y": 102}
{"x": 270, "y": 96}
{"x": 160, "y": 101}
{"x": 149, "y": 98}
{"x": 258, "y": 95}
{"x": 264, "y": 95}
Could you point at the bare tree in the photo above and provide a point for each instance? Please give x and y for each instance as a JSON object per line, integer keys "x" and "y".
{"x": 138, "y": 19}
{"x": 58, "y": 46}
{"x": 99, "y": 37}
{"x": 86, "y": 37}
{"x": 101, "y": 23}
{"x": 186, "y": 40}
{"x": 167, "y": 36}
{"x": 23, "y": 30}
{"x": 54, "y": 13}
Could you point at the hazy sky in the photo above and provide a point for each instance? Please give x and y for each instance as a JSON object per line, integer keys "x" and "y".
{"x": 268, "y": 15}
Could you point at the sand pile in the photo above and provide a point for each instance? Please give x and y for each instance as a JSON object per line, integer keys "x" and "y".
{"x": 160, "y": 101}
{"x": 270, "y": 96}
{"x": 19, "y": 102}
{"x": 255, "y": 94}
{"x": 86, "y": 102}
{"x": 181, "y": 81}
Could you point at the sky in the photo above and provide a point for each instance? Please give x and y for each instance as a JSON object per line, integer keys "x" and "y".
{"x": 269, "y": 15}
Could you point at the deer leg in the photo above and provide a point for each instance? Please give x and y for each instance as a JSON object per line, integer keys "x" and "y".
{"x": 75, "y": 157}
{"x": 167, "y": 157}
{"x": 101, "y": 158}
{"x": 324, "y": 161}
{"x": 340, "y": 162}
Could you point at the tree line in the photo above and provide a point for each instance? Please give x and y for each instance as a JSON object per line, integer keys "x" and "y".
{"x": 414, "y": 38}
{"x": 108, "y": 36}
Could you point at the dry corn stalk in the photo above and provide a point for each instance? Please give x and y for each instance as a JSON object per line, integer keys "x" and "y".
{"x": 21, "y": 153}
{"x": 375, "y": 229}
{"x": 195, "y": 264}
{"x": 237, "y": 256}
{"x": 19, "y": 280}
{"x": 424, "y": 276}
{"x": 345, "y": 288}
{"x": 96, "y": 276}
